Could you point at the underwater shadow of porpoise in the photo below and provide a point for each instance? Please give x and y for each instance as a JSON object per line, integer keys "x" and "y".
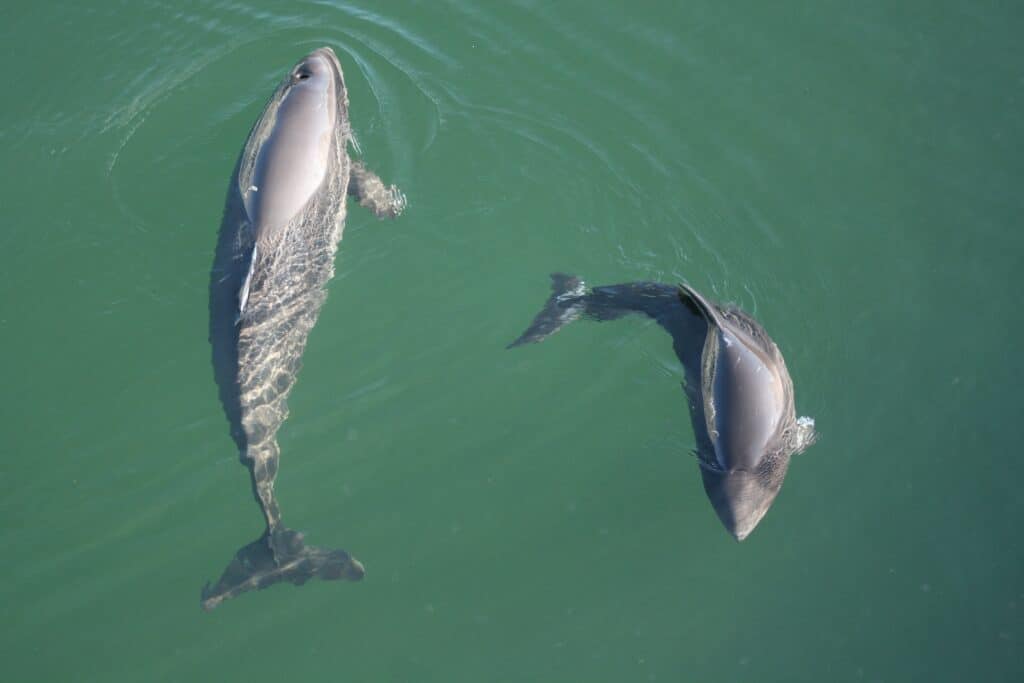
{"x": 738, "y": 389}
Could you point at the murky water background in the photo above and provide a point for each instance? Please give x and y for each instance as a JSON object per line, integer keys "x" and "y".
{"x": 848, "y": 173}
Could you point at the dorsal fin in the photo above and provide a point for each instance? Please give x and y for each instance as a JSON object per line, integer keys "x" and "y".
{"x": 243, "y": 293}
{"x": 728, "y": 317}
{"x": 696, "y": 302}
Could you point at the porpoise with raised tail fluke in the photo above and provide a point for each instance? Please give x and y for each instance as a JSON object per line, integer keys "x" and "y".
{"x": 283, "y": 219}
{"x": 739, "y": 390}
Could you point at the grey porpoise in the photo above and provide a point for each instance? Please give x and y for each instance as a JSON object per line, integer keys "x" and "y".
{"x": 739, "y": 391}
{"x": 283, "y": 219}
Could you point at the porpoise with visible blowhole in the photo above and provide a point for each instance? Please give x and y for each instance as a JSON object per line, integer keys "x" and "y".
{"x": 283, "y": 219}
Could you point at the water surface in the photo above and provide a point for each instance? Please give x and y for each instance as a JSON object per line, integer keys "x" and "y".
{"x": 848, "y": 173}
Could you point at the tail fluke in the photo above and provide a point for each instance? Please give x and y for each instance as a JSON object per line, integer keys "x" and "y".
{"x": 565, "y": 304}
{"x": 254, "y": 567}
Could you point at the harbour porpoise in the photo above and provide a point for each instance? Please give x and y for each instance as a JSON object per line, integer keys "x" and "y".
{"x": 738, "y": 388}
{"x": 283, "y": 219}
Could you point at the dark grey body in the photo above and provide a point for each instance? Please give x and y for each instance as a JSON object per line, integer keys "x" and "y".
{"x": 738, "y": 388}
{"x": 273, "y": 261}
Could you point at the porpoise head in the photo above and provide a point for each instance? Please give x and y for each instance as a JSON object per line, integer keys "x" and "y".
{"x": 317, "y": 71}
{"x": 295, "y": 152}
{"x": 746, "y": 396}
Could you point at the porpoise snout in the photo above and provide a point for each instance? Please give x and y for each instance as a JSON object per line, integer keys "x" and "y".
{"x": 327, "y": 54}
{"x": 740, "y": 498}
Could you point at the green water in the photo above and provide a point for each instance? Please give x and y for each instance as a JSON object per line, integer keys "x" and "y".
{"x": 849, "y": 173}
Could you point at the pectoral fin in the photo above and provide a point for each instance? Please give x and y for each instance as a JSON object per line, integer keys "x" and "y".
{"x": 386, "y": 201}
